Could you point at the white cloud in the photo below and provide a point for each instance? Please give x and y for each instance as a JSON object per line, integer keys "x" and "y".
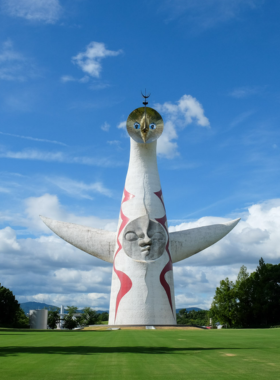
{"x": 187, "y": 110}
{"x": 122, "y": 125}
{"x": 33, "y": 138}
{"x": 13, "y": 65}
{"x": 205, "y": 14}
{"x": 116, "y": 143}
{"x": 79, "y": 188}
{"x": 165, "y": 146}
{"x": 48, "y": 11}
{"x": 256, "y": 235}
{"x": 35, "y": 154}
{"x": 8, "y": 240}
{"x": 244, "y": 92}
{"x": 4, "y": 190}
{"x": 69, "y": 78}
{"x": 48, "y": 205}
{"x": 241, "y": 118}
{"x": 105, "y": 127}
{"x": 98, "y": 301}
{"x": 47, "y": 269}
{"x": 90, "y": 60}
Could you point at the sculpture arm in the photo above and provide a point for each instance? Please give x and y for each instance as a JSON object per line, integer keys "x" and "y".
{"x": 98, "y": 243}
{"x": 186, "y": 243}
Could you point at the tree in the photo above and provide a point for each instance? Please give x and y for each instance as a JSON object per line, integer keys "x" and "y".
{"x": 103, "y": 317}
{"x": 70, "y": 321}
{"x": 89, "y": 317}
{"x": 192, "y": 317}
{"x": 53, "y": 318}
{"x": 262, "y": 294}
{"x": 11, "y": 314}
{"x": 253, "y": 301}
{"x": 224, "y": 305}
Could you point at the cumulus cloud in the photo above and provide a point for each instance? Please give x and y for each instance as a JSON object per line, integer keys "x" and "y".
{"x": 13, "y": 65}
{"x": 186, "y": 110}
{"x": 48, "y": 11}
{"x": 90, "y": 60}
{"x": 47, "y": 269}
{"x": 256, "y": 236}
{"x": 49, "y": 205}
{"x": 8, "y": 240}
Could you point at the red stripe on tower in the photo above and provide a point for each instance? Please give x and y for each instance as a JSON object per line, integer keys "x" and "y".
{"x": 168, "y": 267}
{"x": 126, "y": 283}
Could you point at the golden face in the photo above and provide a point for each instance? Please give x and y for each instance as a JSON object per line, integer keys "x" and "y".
{"x": 144, "y": 125}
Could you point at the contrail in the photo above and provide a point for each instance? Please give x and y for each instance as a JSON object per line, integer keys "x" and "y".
{"x": 33, "y": 138}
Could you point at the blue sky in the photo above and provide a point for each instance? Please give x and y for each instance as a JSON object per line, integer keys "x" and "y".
{"x": 70, "y": 74}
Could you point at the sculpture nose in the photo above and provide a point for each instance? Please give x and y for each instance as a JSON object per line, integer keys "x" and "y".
{"x": 144, "y": 129}
{"x": 145, "y": 241}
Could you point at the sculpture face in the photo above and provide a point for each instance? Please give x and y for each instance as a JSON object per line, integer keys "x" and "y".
{"x": 144, "y": 239}
{"x": 144, "y": 125}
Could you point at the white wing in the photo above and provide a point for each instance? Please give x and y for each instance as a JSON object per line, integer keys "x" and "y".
{"x": 184, "y": 244}
{"x": 98, "y": 243}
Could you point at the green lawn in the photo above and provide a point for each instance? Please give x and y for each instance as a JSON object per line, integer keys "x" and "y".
{"x": 142, "y": 354}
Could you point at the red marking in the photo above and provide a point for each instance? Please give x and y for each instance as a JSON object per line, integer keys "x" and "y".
{"x": 159, "y": 195}
{"x": 164, "y": 283}
{"x": 168, "y": 266}
{"x": 126, "y": 283}
{"x": 127, "y": 196}
{"x": 163, "y": 221}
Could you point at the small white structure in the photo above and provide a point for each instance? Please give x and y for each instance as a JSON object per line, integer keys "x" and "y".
{"x": 60, "y": 324}
{"x": 38, "y": 319}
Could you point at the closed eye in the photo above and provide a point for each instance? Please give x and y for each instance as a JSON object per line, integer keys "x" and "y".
{"x": 131, "y": 236}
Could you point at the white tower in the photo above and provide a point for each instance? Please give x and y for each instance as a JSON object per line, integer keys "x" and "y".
{"x": 142, "y": 251}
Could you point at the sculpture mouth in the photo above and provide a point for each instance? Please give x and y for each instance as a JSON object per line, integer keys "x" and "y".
{"x": 145, "y": 251}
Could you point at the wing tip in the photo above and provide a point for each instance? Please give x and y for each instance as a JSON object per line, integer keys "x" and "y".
{"x": 46, "y": 220}
{"x": 232, "y": 223}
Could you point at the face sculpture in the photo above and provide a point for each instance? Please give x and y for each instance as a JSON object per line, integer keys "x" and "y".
{"x": 144, "y": 239}
{"x": 144, "y": 125}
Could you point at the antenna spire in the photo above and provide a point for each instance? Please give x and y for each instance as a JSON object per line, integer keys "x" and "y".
{"x": 145, "y": 97}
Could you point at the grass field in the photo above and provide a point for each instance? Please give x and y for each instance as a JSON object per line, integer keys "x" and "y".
{"x": 140, "y": 354}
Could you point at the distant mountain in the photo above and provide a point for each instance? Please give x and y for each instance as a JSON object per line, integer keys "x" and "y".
{"x": 26, "y": 306}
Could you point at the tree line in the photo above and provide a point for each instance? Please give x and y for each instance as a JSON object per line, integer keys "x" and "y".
{"x": 193, "y": 317}
{"x": 251, "y": 301}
